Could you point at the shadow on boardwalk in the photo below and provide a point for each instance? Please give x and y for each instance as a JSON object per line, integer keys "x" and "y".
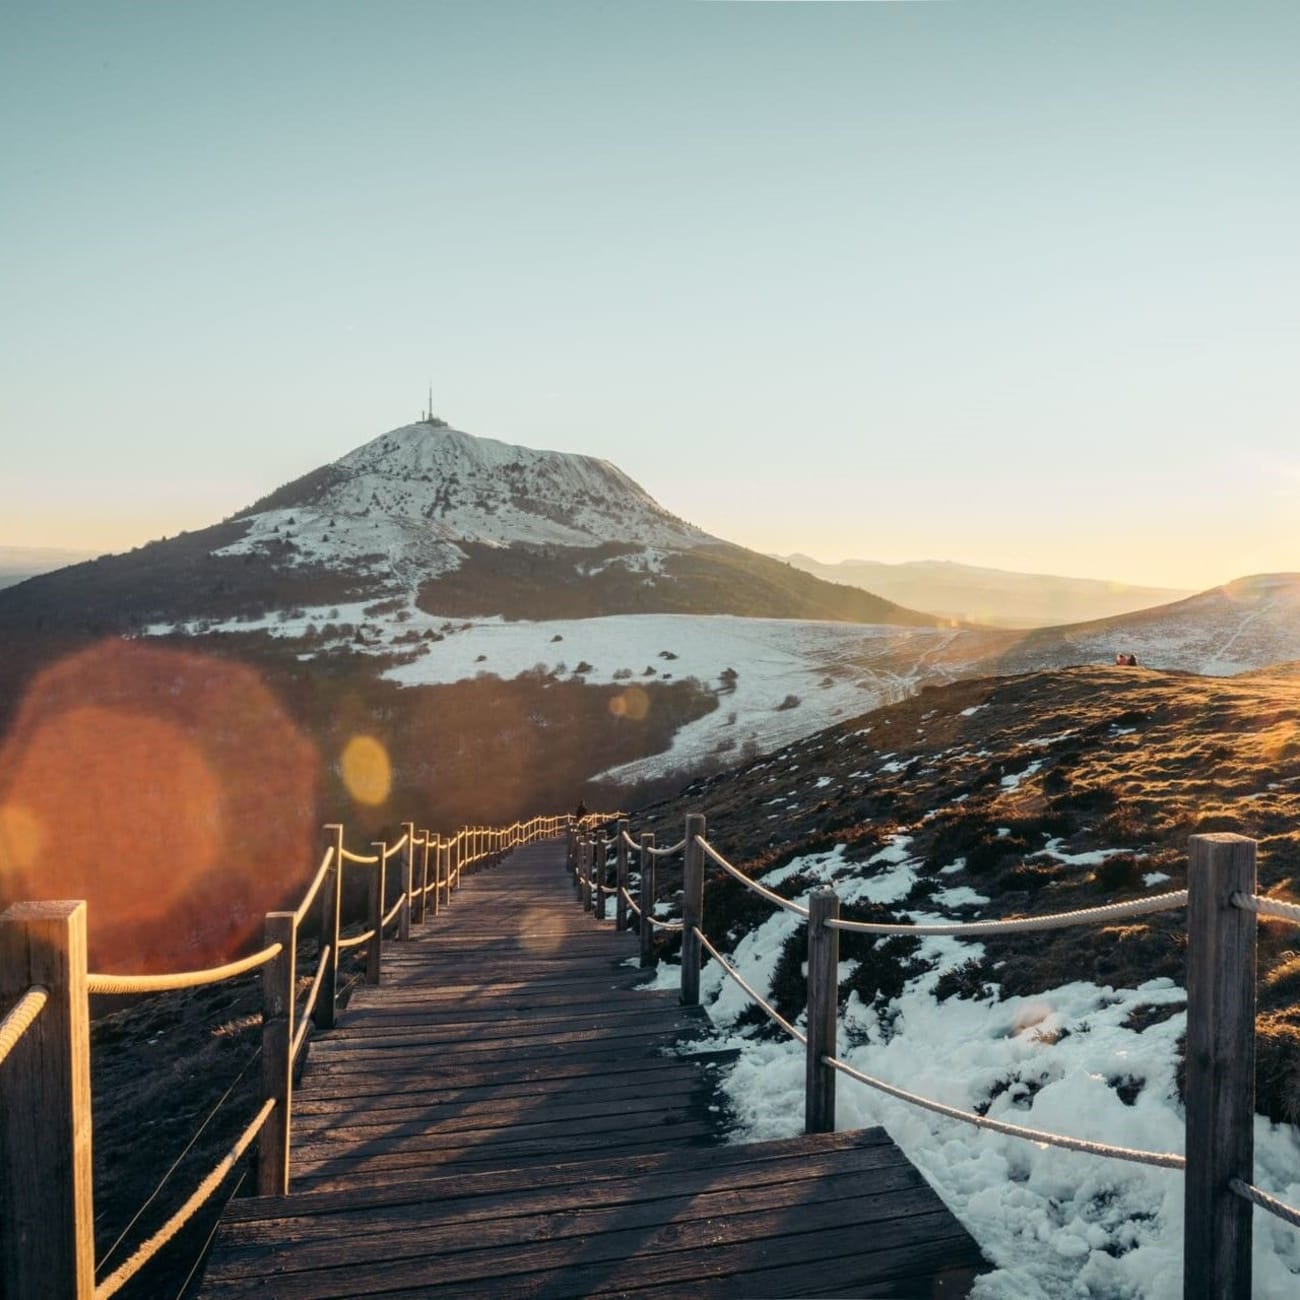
{"x": 505, "y": 1116}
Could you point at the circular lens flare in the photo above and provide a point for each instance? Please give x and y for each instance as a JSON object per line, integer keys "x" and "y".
{"x": 366, "y": 771}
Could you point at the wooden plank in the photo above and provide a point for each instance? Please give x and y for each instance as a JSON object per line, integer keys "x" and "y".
{"x": 501, "y": 1118}
{"x": 899, "y": 1190}
{"x": 667, "y": 1162}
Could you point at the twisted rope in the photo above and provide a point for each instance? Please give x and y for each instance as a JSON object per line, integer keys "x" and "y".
{"x": 144, "y": 1253}
{"x": 760, "y": 890}
{"x": 1249, "y": 1192}
{"x": 102, "y": 1263}
{"x": 1055, "y": 921}
{"x": 180, "y": 979}
{"x": 392, "y": 912}
{"x": 18, "y": 1020}
{"x": 672, "y": 848}
{"x": 1165, "y": 1160}
{"x": 391, "y": 849}
{"x": 627, "y": 898}
{"x": 356, "y": 941}
{"x": 662, "y": 925}
{"x": 310, "y": 1005}
{"x": 1273, "y": 907}
{"x": 361, "y": 859}
{"x": 300, "y": 915}
{"x": 629, "y": 841}
{"x": 772, "y": 1013}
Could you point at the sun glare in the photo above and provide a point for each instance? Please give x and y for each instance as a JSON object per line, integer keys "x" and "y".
{"x": 169, "y": 790}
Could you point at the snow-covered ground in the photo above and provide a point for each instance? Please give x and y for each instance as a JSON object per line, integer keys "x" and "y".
{"x": 1054, "y": 1223}
{"x": 830, "y": 670}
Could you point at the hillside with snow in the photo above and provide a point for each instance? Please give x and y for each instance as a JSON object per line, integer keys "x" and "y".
{"x": 1001, "y": 797}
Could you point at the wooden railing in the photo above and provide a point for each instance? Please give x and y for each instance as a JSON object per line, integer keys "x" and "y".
{"x": 47, "y": 1245}
{"x": 1222, "y": 909}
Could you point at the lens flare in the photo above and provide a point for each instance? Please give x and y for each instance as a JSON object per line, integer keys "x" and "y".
{"x": 366, "y": 771}
{"x": 169, "y": 790}
{"x": 631, "y": 703}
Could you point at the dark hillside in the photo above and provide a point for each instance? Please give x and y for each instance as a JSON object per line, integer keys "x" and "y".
{"x": 530, "y": 582}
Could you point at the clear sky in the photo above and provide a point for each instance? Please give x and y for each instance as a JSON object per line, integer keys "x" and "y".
{"x": 1013, "y": 282}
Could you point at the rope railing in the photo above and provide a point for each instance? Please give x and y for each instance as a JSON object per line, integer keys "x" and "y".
{"x": 1051, "y": 921}
{"x": 361, "y": 859}
{"x": 356, "y": 940}
{"x": 1257, "y": 1196}
{"x": 20, "y": 1018}
{"x": 732, "y": 973}
{"x": 300, "y": 1036}
{"x": 1165, "y": 1160}
{"x": 761, "y": 890}
{"x": 148, "y": 1249}
{"x": 314, "y": 888}
{"x": 656, "y": 924}
{"x": 1219, "y": 1088}
{"x": 61, "y": 1247}
{"x": 669, "y": 851}
{"x": 1271, "y": 907}
{"x": 128, "y": 984}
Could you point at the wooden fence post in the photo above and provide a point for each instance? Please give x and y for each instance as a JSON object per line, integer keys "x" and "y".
{"x": 692, "y": 908}
{"x": 331, "y": 905}
{"x": 277, "y": 1055}
{"x": 620, "y": 876}
{"x": 823, "y": 1006}
{"x": 584, "y": 876}
{"x": 375, "y": 910}
{"x": 408, "y": 884}
{"x": 600, "y": 869}
{"x": 47, "y": 1219}
{"x": 1220, "y": 1088}
{"x": 645, "y": 931}
{"x": 422, "y": 892}
{"x": 570, "y": 846}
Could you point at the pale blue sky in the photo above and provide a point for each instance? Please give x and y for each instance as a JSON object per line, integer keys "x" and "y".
{"x": 1008, "y": 282}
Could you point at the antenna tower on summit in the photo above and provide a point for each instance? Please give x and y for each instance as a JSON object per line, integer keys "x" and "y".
{"x": 428, "y": 417}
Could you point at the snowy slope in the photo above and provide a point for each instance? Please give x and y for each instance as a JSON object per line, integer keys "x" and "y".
{"x": 400, "y": 504}
{"x": 1245, "y": 624}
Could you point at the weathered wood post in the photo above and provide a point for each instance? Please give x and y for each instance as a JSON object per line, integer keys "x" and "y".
{"x": 375, "y": 911}
{"x": 600, "y": 864}
{"x": 823, "y": 1006}
{"x": 277, "y": 1054}
{"x": 408, "y": 884}
{"x": 620, "y": 875}
{"x": 47, "y": 1218}
{"x": 1220, "y": 1090}
{"x": 422, "y": 890}
{"x": 593, "y": 846}
{"x": 330, "y": 918}
{"x": 692, "y": 908}
{"x": 584, "y": 876}
{"x": 644, "y": 930}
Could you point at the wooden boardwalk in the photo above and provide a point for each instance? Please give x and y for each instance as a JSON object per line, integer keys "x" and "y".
{"x": 504, "y": 1117}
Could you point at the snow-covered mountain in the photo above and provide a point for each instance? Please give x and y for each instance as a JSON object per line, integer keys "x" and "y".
{"x": 401, "y": 506}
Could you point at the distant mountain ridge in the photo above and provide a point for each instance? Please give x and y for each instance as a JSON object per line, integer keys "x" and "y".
{"x": 18, "y": 563}
{"x": 990, "y": 597}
